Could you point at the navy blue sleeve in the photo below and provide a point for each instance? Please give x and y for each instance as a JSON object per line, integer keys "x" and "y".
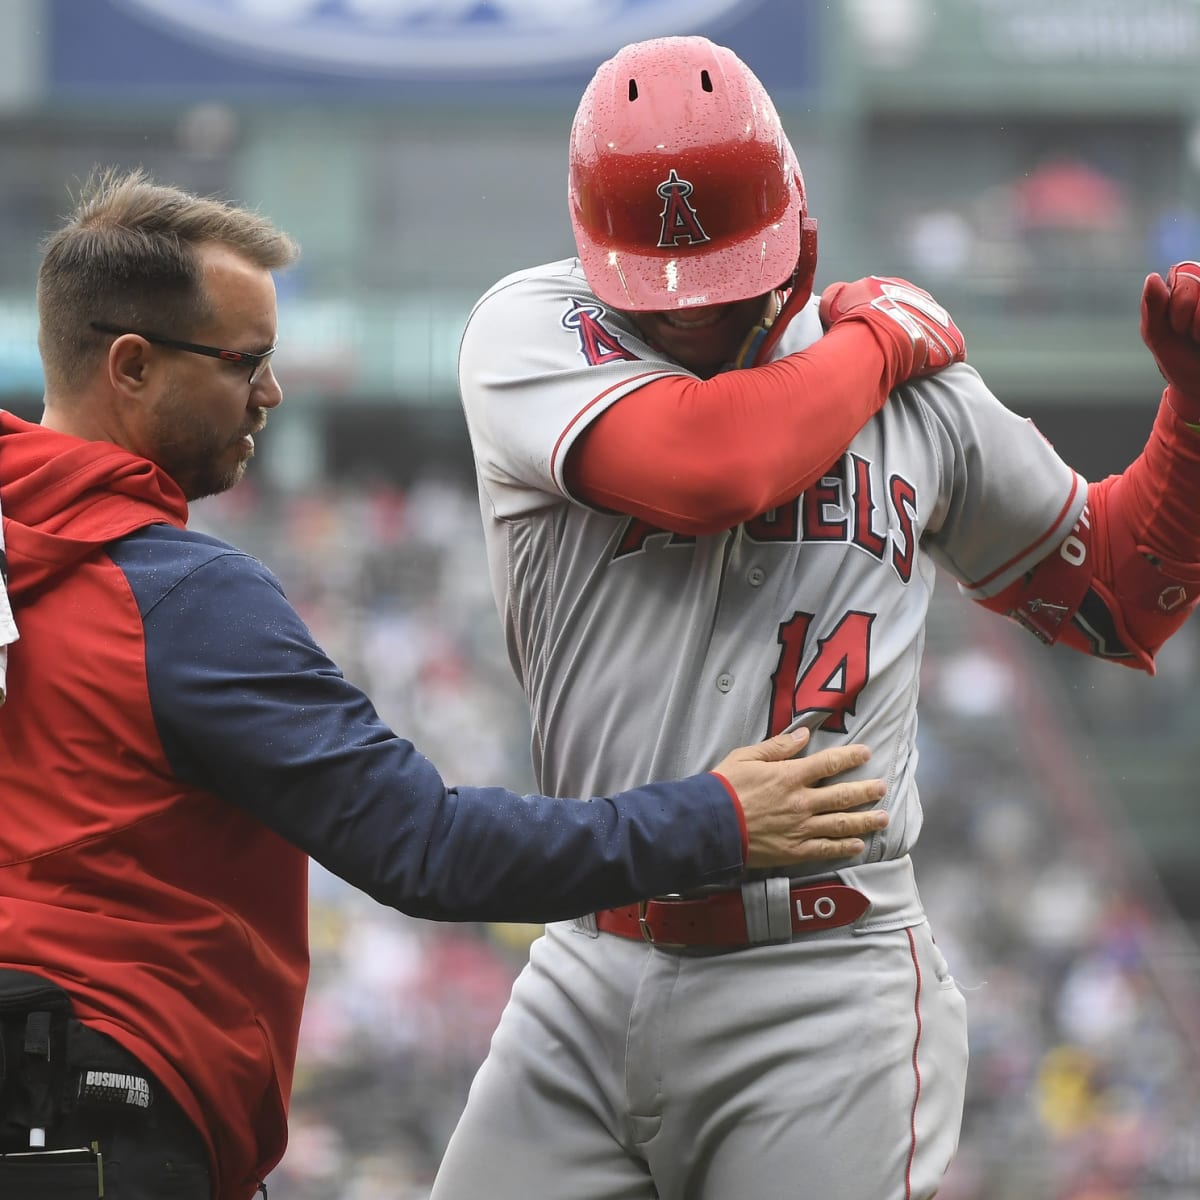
{"x": 250, "y": 708}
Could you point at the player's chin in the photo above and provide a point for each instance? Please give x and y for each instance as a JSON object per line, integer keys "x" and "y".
{"x": 704, "y": 350}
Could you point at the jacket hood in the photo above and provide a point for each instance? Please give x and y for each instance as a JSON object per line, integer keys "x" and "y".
{"x": 62, "y": 497}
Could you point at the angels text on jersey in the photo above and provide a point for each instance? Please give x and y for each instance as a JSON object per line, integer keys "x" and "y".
{"x": 826, "y": 673}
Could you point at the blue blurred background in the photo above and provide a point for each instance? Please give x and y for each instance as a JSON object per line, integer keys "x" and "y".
{"x": 1027, "y": 162}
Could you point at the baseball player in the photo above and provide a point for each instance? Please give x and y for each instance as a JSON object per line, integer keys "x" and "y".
{"x": 686, "y": 556}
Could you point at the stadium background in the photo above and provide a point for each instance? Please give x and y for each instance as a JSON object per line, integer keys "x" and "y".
{"x": 1028, "y": 162}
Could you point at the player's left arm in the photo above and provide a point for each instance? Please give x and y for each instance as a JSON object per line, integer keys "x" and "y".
{"x": 1128, "y": 575}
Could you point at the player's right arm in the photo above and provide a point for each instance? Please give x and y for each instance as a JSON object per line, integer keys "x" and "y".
{"x": 699, "y": 456}
{"x": 564, "y": 399}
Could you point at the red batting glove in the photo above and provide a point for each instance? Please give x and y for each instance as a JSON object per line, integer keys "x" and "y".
{"x": 924, "y": 331}
{"x": 1171, "y": 331}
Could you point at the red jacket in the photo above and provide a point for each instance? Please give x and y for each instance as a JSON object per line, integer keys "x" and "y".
{"x": 176, "y": 921}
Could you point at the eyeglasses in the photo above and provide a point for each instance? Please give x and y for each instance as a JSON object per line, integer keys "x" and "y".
{"x": 256, "y": 362}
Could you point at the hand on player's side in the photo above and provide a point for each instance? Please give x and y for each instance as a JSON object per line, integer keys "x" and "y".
{"x": 1171, "y": 325}
{"x": 792, "y": 816}
{"x": 922, "y": 329}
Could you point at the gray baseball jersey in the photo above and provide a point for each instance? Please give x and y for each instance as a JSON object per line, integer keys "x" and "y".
{"x": 833, "y": 1064}
{"x": 646, "y": 655}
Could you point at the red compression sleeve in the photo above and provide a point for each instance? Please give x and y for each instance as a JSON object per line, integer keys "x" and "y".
{"x": 1162, "y": 487}
{"x": 701, "y": 456}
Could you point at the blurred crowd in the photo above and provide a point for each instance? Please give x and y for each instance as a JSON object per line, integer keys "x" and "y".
{"x": 1080, "y": 980}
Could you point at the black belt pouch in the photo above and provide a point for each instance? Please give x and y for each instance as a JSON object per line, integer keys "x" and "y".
{"x": 33, "y": 1053}
{"x": 34, "y": 1016}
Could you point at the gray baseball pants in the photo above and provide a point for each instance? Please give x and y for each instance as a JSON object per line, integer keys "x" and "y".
{"x": 833, "y": 1065}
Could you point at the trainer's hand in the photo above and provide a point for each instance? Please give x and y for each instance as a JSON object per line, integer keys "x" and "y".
{"x": 1171, "y": 327}
{"x": 916, "y": 323}
{"x": 790, "y": 817}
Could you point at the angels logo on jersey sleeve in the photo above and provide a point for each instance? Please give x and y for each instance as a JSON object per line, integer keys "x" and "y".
{"x": 596, "y": 343}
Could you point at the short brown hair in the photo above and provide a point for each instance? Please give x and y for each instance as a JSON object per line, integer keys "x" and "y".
{"x": 126, "y": 256}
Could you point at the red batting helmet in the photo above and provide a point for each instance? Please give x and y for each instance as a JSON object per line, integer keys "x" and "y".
{"x": 683, "y": 187}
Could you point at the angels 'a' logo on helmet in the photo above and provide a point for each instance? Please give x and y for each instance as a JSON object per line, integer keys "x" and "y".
{"x": 679, "y": 220}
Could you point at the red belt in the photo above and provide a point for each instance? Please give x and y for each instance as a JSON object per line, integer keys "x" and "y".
{"x": 720, "y": 920}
